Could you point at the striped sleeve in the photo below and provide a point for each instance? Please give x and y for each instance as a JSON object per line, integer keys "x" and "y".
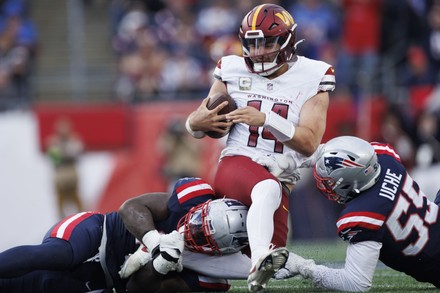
{"x": 385, "y": 149}
{"x": 190, "y": 189}
{"x": 328, "y": 82}
{"x": 352, "y": 225}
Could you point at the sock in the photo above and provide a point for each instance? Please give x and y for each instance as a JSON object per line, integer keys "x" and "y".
{"x": 266, "y": 198}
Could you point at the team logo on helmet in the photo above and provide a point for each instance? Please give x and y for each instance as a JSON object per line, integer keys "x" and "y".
{"x": 334, "y": 163}
{"x": 285, "y": 17}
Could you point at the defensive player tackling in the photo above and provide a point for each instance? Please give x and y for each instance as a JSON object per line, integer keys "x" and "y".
{"x": 386, "y": 217}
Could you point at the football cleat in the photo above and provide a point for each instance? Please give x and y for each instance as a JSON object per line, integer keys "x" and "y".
{"x": 266, "y": 267}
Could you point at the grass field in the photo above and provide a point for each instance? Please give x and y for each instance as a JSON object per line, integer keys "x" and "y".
{"x": 333, "y": 254}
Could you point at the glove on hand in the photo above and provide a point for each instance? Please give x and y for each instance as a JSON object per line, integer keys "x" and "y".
{"x": 134, "y": 262}
{"x": 281, "y": 166}
{"x": 298, "y": 265}
{"x": 171, "y": 248}
{"x": 282, "y": 274}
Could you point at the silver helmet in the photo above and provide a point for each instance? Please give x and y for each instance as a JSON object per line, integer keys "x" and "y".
{"x": 346, "y": 166}
{"x": 215, "y": 227}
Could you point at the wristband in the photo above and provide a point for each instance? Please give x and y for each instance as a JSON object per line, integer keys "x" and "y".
{"x": 151, "y": 240}
{"x": 280, "y": 127}
{"x": 195, "y": 134}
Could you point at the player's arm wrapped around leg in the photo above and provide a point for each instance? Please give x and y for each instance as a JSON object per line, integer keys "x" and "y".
{"x": 169, "y": 259}
{"x": 355, "y": 276}
{"x": 282, "y": 166}
{"x": 135, "y": 261}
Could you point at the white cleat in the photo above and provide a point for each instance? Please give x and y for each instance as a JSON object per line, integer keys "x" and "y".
{"x": 265, "y": 268}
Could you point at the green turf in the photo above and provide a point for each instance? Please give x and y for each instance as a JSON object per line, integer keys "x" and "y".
{"x": 333, "y": 254}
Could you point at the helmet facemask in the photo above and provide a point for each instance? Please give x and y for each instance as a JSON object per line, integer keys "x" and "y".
{"x": 267, "y": 34}
{"x": 215, "y": 227}
{"x": 346, "y": 167}
{"x": 328, "y": 185}
{"x": 197, "y": 230}
{"x": 265, "y": 55}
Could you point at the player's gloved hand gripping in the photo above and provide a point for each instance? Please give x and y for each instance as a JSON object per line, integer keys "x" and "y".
{"x": 169, "y": 259}
{"x": 296, "y": 265}
{"x": 146, "y": 251}
{"x": 135, "y": 261}
{"x": 277, "y": 164}
{"x": 166, "y": 250}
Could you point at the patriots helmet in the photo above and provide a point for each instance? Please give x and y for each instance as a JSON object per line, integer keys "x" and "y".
{"x": 267, "y": 35}
{"x": 346, "y": 166}
{"x": 216, "y": 227}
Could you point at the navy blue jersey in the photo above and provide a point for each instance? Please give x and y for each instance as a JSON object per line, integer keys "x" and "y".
{"x": 396, "y": 213}
{"x": 187, "y": 193}
{"x": 87, "y": 239}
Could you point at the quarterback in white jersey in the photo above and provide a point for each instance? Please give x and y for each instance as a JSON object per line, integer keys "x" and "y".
{"x": 284, "y": 96}
{"x": 282, "y": 101}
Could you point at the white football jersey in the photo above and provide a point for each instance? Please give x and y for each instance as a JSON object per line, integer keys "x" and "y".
{"x": 284, "y": 95}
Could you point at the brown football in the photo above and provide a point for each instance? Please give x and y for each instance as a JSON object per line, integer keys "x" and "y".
{"x": 216, "y": 100}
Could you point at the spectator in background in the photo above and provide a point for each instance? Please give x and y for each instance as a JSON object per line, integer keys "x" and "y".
{"x": 181, "y": 156}
{"x": 395, "y": 133}
{"x": 18, "y": 44}
{"x": 360, "y": 40}
{"x": 182, "y": 73}
{"x": 427, "y": 139}
{"x": 319, "y": 26}
{"x": 130, "y": 30}
{"x": 140, "y": 70}
{"x": 138, "y": 56}
{"x": 404, "y": 25}
{"x": 419, "y": 77}
{"x": 418, "y": 71}
{"x": 433, "y": 17}
{"x": 217, "y": 19}
{"x": 64, "y": 148}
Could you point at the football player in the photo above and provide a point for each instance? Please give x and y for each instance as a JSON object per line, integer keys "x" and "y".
{"x": 386, "y": 217}
{"x": 282, "y": 101}
{"x": 86, "y": 251}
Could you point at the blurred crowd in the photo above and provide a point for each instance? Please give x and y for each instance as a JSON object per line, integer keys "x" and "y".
{"x": 18, "y": 45}
{"x": 388, "y": 50}
{"x": 385, "y": 50}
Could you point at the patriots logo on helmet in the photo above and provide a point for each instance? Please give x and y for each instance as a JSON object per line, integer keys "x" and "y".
{"x": 334, "y": 163}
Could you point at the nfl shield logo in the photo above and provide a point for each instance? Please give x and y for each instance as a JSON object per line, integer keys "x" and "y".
{"x": 270, "y": 86}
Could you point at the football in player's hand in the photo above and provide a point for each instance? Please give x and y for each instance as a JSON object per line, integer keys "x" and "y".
{"x": 216, "y": 100}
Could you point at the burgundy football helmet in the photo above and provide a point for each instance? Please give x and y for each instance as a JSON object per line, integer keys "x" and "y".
{"x": 215, "y": 227}
{"x": 267, "y": 35}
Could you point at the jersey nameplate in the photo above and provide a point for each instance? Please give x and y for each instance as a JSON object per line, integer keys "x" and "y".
{"x": 390, "y": 185}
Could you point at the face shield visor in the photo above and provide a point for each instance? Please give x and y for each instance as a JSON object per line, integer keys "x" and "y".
{"x": 262, "y": 53}
{"x": 326, "y": 186}
{"x": 198, "y": 230}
